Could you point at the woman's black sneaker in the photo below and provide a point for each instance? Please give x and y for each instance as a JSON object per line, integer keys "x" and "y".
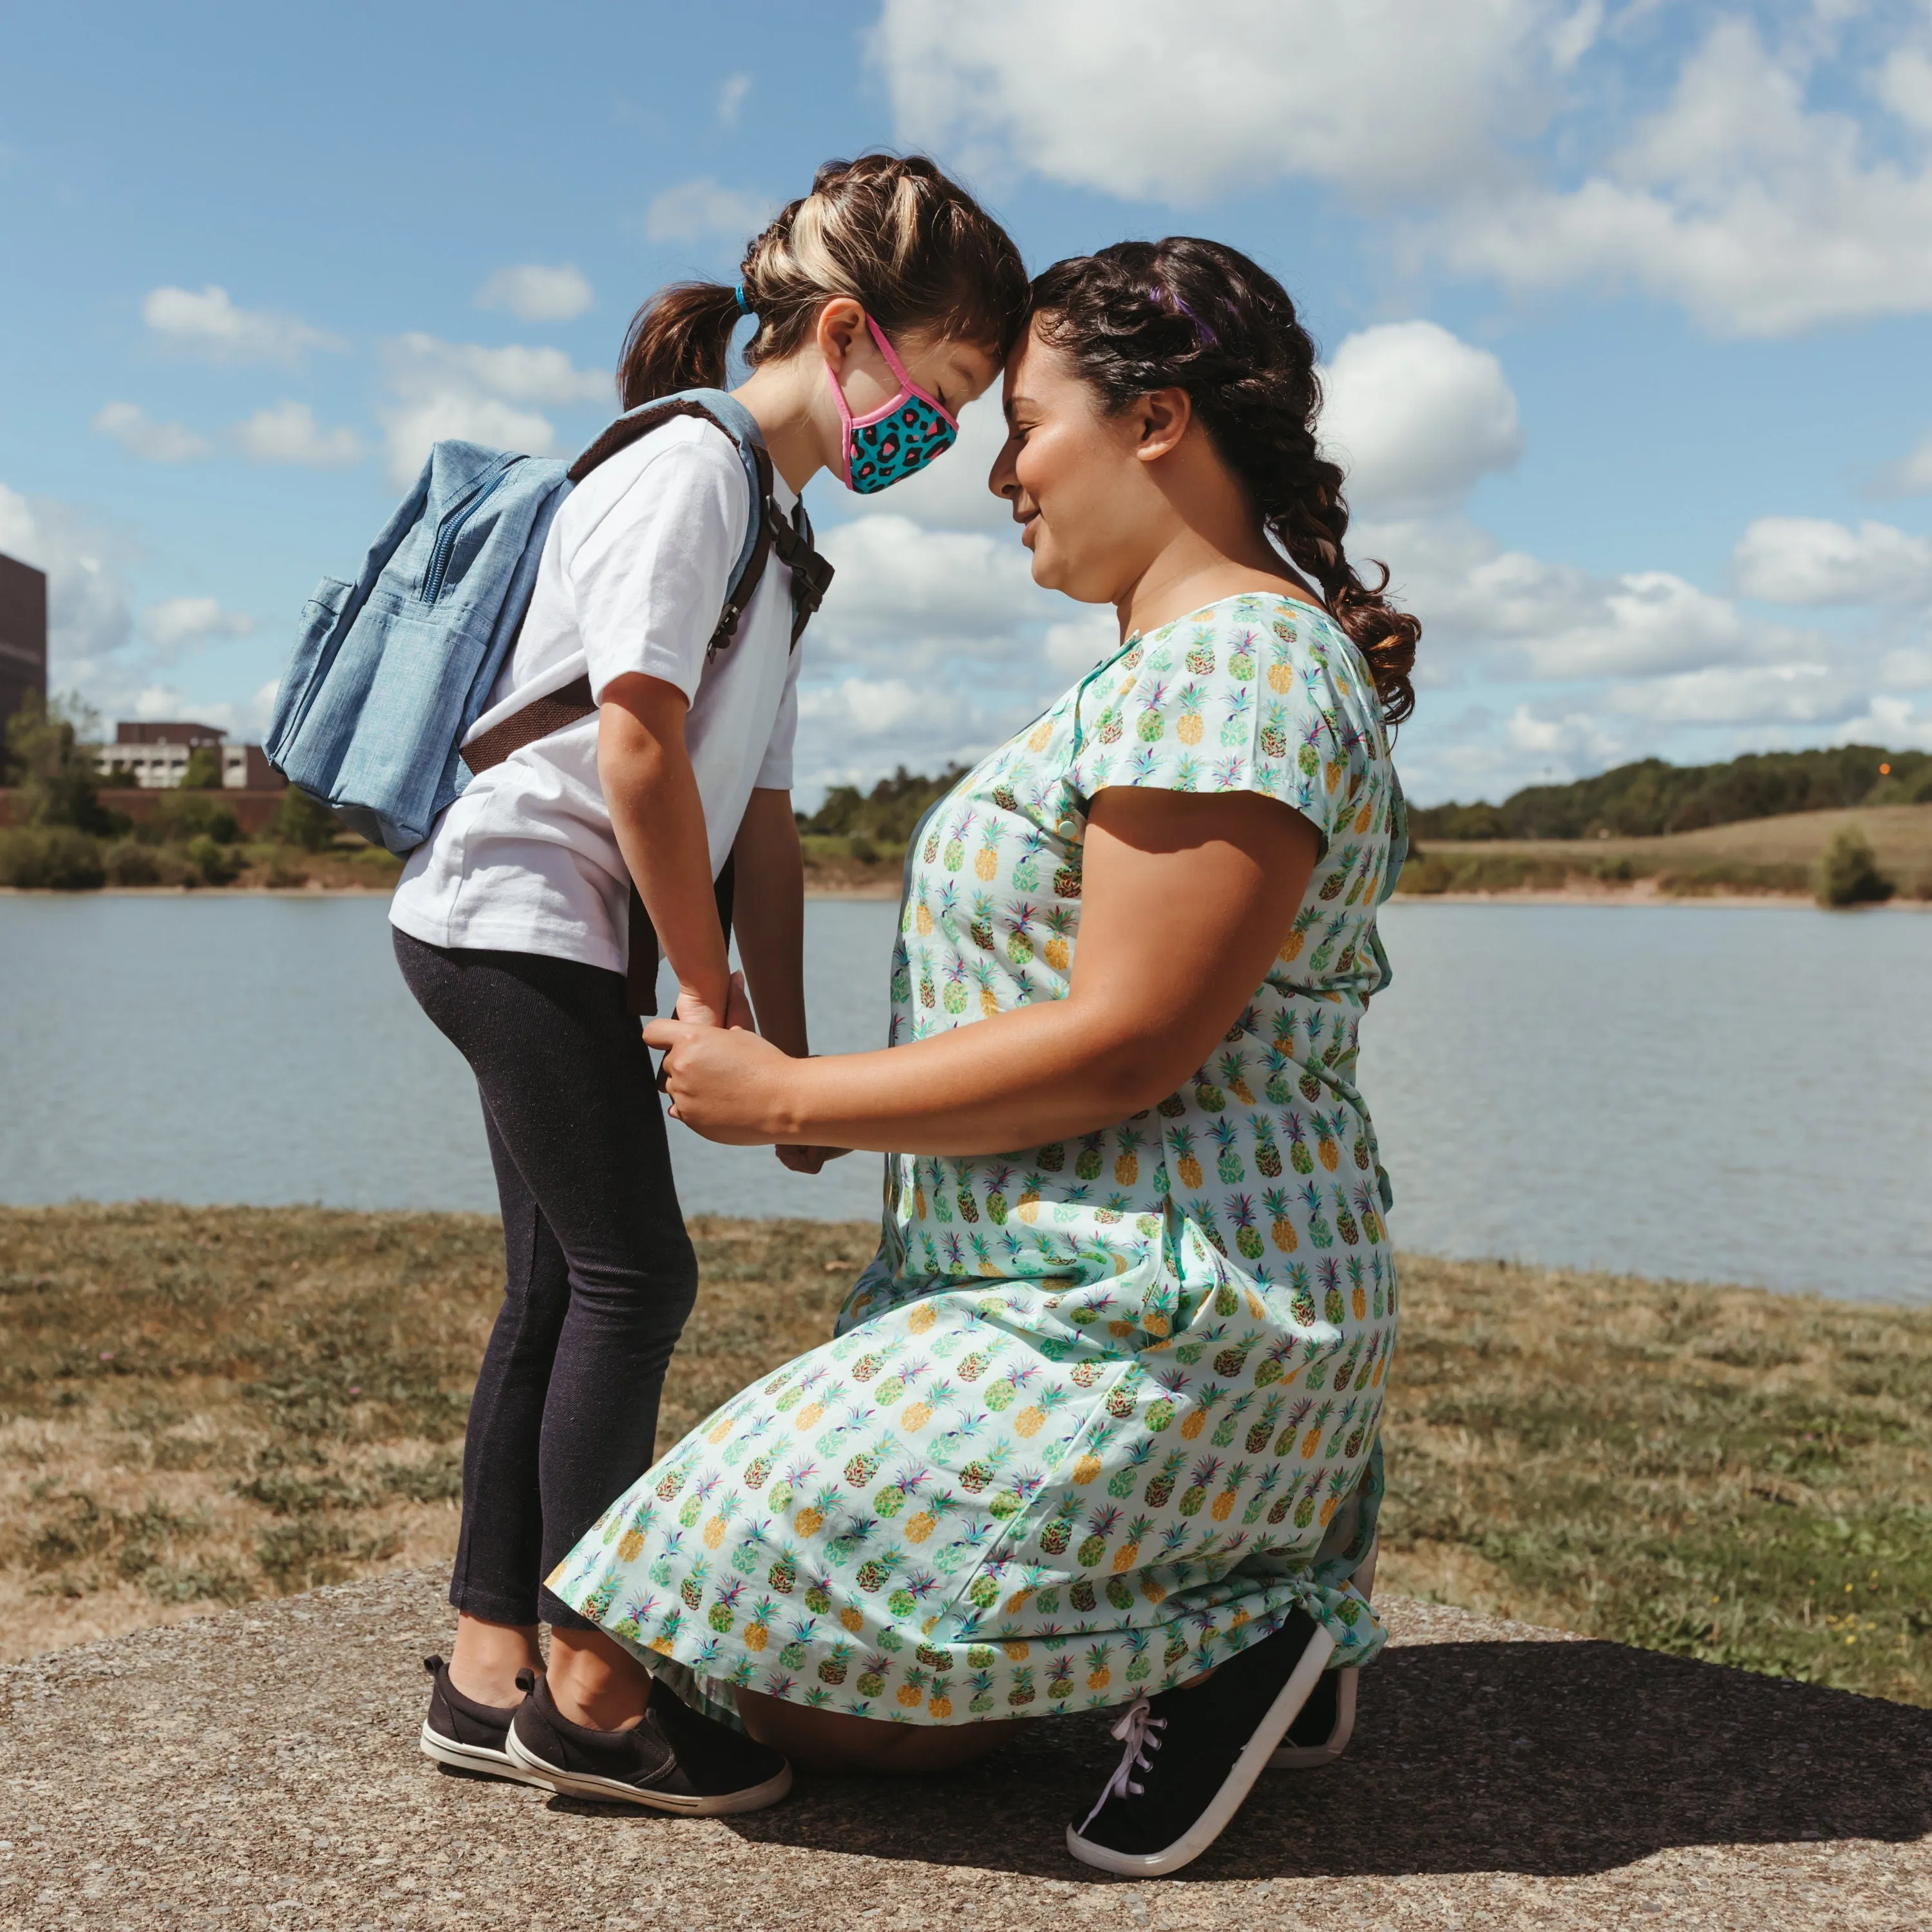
{"x": 1192, "y": 1754}
{"x": 465, "y": 1735}
{"x": 675, "y": 1760}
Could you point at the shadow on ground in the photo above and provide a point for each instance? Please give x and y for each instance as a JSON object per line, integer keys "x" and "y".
{"x": 1550, "y": 1760}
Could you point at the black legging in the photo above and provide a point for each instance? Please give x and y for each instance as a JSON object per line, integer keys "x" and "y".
{"x": 599, "y": 1273}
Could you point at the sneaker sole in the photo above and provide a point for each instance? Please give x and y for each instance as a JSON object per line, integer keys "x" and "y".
{"x": 615, "y": 1791}
{"x": 1234, "y": 1787}
{"x": 1310, "y": 1757}
{"x": 477, "y": 1758}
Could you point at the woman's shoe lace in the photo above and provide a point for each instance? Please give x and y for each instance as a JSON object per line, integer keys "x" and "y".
{"x": 1137, "y": 1730}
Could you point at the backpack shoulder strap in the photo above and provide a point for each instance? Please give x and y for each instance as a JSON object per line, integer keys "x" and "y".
{"x": 724, "y": 413}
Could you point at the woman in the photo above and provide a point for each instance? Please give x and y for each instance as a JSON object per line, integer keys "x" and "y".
{"x": 1096, "y": 1405}
{"x": 512, "y": 930}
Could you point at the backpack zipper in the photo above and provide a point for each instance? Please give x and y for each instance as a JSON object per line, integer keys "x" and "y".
{"x": 451, "y": 528}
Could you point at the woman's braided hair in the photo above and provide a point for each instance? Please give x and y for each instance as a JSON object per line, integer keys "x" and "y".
{"x": 1188, "y": 314}
{"x": 912, "y": 247}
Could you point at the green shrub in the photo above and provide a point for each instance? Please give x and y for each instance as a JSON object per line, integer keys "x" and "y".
{"x": 285, "y": 877}
{"x": 53, "y": 858}
{"x": 203, "y": 771}
{"x": 47, "y": 751}
{"x": 215, "y": 863}
{"x": 304, "y": 821}
{"x": 863, "y": 849}
{"x": 131, "y": 863}
{"x": 189, "y": 815}
{"x": 1848, "y": 874}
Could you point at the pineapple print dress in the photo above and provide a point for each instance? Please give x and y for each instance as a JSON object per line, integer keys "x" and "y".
{"x": 1087, "y": 1417}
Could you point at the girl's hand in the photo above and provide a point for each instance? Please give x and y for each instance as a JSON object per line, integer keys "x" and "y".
{"x": 695, "y": 1009}
{"x": 724, "y": 1083}
{"x": 808, "y": 1159}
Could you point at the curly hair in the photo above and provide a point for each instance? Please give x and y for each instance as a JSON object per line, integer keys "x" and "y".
{"x": 892, "y": 232}
{"x": 1188, "y": 314}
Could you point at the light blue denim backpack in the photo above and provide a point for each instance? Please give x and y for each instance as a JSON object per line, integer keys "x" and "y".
{"x": 391, "y": 672}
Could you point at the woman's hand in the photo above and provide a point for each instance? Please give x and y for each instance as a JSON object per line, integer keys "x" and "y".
{"x": 724, "y": 1083}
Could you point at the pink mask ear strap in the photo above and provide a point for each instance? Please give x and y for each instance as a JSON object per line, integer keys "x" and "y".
{"x": 893, "y": 362}
{"x": 906, "y": 382}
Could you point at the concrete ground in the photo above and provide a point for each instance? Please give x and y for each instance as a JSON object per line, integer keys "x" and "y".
{"x": 260, "y": 1769}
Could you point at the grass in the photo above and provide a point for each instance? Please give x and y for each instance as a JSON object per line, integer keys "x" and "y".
{"x": 1760, "y": 855}
{"x": 199, "y": 1407}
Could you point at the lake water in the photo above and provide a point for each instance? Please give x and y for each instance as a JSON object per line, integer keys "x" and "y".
{"x": 1725, "y": 1093}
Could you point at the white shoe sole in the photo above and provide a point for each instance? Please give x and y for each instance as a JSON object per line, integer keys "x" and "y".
{"x": 474, "y": 1757}
{"x": 1309, "y": 1757}
{"x": 615, "y": 1791}
{"x": 1234, "y": 1787}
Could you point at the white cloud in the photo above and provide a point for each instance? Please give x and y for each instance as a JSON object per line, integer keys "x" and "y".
{"x": 1802, "y": 693}
{"x": 1911, "y": 475}
{"x": 130, "y": 426}
{"x": 208, "y": 323}
{"x": 1415, "y": 416}
{"x": 533, "y": 293}
{"x": 1762, "y": 215}
{"x": 868, "y": 707}
{"x": 910, "y": 588}
{"x": 1905, "y": 86}
{"x": 87, "y": 616}
{"x": 177, "y": 623}
{"x": 1554, "y": 621}
{"x": 1809, "y": 560}
{"x": 1576, "y": 740}
{"x": 1892, "y": 722}
{"x": 1130, "y": 98}
{"x": 456, "y": 389}
{"x": 694, "y": 210}
{"x": 1080, "y": 644}
{"x": 731, "y": 93}
{"x": 287, "y": 432}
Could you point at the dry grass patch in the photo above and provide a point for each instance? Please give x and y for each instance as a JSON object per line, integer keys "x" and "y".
{"x": 1758, "y": 855}
{"x": 199, "y": 1407}
{"x": 1723, "y": 1473}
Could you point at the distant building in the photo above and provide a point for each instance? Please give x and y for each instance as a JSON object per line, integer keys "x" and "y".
{"x": 23, "y": 635}
{"x": 155, "y": 757}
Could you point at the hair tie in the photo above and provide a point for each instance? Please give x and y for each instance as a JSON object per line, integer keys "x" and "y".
{"x": 744, "y": 307}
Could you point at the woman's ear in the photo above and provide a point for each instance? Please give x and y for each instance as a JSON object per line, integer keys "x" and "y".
{"x": 841, "y": 326}
{"x": 1161, "y": 417}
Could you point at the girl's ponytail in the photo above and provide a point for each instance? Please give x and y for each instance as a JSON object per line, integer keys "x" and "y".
{"x": 912, "y": 248}
{"x": 679, "y": 340}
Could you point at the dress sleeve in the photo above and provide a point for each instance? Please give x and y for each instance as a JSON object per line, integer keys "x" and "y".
{"x": 1239, "y": 699}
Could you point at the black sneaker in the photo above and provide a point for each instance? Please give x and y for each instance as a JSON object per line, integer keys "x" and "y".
{"x": 675, "y": 1760}
{"x": 1192, "y": 1755}
{"x": 467, "y": 1735}
{"x": 1321, "y": 1734}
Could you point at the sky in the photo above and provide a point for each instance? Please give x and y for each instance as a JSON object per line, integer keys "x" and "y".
{"x": 1623, "y": 307}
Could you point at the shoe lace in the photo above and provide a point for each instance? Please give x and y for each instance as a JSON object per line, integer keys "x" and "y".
{"x": 1138, "y": 1730}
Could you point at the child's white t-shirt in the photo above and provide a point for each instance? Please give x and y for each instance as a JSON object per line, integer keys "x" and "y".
{"x": 632, "y": 578}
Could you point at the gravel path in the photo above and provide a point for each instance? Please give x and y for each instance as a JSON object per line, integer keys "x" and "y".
{"x": 260, "y": 1769}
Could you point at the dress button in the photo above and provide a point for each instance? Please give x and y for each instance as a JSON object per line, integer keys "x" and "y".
{"x": 1067, "y": 828}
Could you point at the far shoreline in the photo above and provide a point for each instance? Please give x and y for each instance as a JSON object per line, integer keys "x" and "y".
{"x": 1635, "y": 894}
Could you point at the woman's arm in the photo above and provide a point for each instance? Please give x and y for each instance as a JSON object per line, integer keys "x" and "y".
{"x": 1186, "y": 901}
{"x": 658, "y": 818}
{"x": 768, "y": 910}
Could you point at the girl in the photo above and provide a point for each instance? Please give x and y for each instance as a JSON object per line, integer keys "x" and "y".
{"x": 885, "y": 300}
{"x": 1100, "y": 1424}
